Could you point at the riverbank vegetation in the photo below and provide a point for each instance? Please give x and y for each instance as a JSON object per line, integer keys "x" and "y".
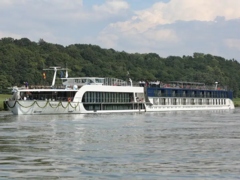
{"x": 236, "y": 102}
{"x": 22, "y": 60}
{"x": 3, "y": 97}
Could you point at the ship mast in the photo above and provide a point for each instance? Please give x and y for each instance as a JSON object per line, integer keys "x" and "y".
{"x": 56, "y": 68}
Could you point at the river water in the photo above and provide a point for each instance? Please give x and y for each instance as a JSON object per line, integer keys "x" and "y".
{"x": 167, "y": 145}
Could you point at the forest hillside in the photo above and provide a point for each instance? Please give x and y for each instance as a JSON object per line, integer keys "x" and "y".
{"x": 23, "y": 60}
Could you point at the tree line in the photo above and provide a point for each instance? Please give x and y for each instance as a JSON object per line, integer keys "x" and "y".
{"x": 24, "y": 60}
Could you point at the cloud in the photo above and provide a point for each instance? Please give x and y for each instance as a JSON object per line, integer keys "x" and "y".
{"x": 41, "y": 10}
{"x": 189, "y": 10}
{"x": 7, "y": 3}
{"x": 233, "y": 43}
{"x": 110, "y": 40}
{"x": 7, "y": 34}
{"x": 178, "y": 27}
{"x": 60, "y": 18}
{"x": 62, "y": 4}
{"x": 181, "y": 10}
{"x": 112, "y": 6}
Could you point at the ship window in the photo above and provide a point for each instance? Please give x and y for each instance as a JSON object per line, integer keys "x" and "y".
{"x": 163, "y": 101}
{"x": 174, "y": 101}
{"x": 184, "y": 93}
{"x": 88, "y": 97}
{"x": 107, "y": 97}
{"x": 114, "y": 97}
{"x": 207, "y": 101}
{"x": 184, "y": 101}
{"x": 89, "y": 81}
{"x": 99, "y": 80}
{"x": 111, "y": 96}
{"x": 120, "y": 96}
{"x": 192, "y": 101}
{"x": 173, "y": 93}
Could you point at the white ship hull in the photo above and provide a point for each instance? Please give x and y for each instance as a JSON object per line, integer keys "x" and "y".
{"x": 185, "y": 108}
{"x": 44, "y": 107}
{"x": 212, "y": 104}
{"x": 58, "y": 107}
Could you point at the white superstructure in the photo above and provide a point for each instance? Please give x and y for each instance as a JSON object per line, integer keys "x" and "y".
{"x": 107, "y": 95}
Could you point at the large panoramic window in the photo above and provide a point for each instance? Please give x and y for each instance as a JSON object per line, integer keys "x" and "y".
{"x": 111, "y": 97}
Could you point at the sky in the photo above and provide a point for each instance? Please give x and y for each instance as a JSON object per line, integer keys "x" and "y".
{"x": 165, "y": 27}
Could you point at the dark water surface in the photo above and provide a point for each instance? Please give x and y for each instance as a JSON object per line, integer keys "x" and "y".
{"x": 172, "y": 145}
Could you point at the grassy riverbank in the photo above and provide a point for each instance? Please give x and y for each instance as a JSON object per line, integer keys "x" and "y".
{"x": 2, "y": 98}
{"x": 236, "y": 102}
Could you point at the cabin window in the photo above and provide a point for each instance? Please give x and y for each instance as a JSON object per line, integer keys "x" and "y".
{"x": 99, "y": 80}
{"x": 173, "y": 93}
{"x": 77, "y": 81}
{"x": 207, "y": 101}
{"x": 174, "y": 101}
{"x": 107, "y": 97}
{"x": 207, "y": 94}
{"x": 159, "y": 93}
{"x": 184, "y": 101}
{"x": 192, "y": 102}
{"x": 112, "y": 97}
{"x": 184, "y": 94}
{"x": 210, "y": 94}
{"x": 164, "y": 101}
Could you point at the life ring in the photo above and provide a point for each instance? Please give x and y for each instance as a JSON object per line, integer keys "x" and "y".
{"x": 69, "y": 99}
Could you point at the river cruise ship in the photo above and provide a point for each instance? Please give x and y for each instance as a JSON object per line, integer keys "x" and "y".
{"x": 83, "y": 95}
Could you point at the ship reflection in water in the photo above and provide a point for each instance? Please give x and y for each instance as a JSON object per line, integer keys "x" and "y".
{"x": 161, "y": 145}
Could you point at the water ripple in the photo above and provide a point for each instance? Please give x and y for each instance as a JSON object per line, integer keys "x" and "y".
{"x": 166, "y": 145}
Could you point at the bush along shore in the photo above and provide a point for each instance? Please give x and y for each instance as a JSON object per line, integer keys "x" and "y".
{"x": 3, "y": 97}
